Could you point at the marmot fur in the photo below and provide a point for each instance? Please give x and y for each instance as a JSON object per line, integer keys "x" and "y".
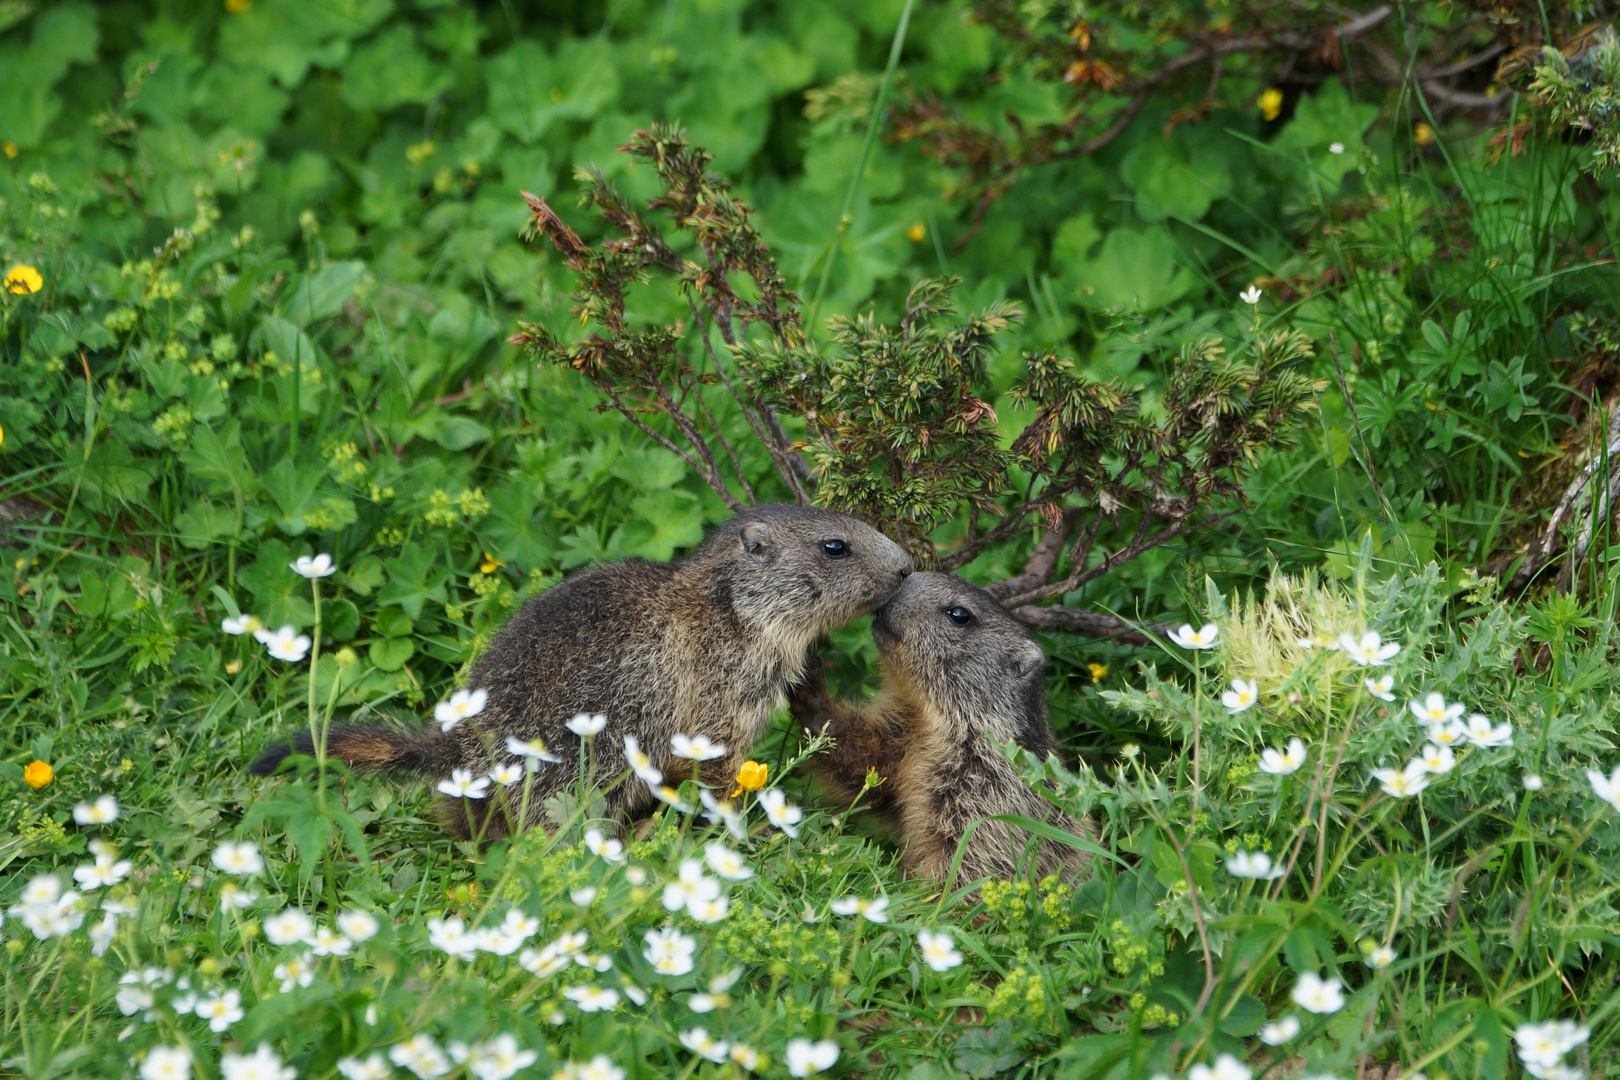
{"x": 958, "y": 672}
{"x": 707, "y": 645}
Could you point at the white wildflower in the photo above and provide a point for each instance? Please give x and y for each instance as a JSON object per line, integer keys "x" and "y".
{"x": 592, "y": 998}
{"x": 587, "y": 724}
{"x": 1437, "y": 759}
{"x": 1380, "y": 957}
{"x": 726, "y": 862}
{"x": 695, "y": 747}
{"x": 420, "y": 1055}
{"x": 358, "y": 925}
{"x": 640, "y": 763}
{"x": 221, "y": 1010}
{"x": 464, "y": 785}
{"x": 285, "y": 644}
{"x": 669, "y": 951}
{"x": 1451, "y": 733}
{"x": 533, "y": 749}
{"x": 242, "y": 624}
{"x": 1251, "y": 295}
{"x": 938, "y": 949}
{"x": 506, "y": 773}
{"x": 291, "y": 927}
{"x": 1188, "y": 638}
{"x": 1255, "y": 865}
{"x": 102, "y": 811}
{"x": 167, "y": 1063}
{"x": 241, "y": 859}
{"x": 318, "y": 567}
{"x": 1283, "y": 762}
{"x": 451, "y": 936}
{"x": 704, "y": 1045}
{"x": 329, "y": 942}
{"x": 805, "y": 1057}
{"x": 373, "y": 1067}
{"x": 1241, "y": 697}
{"x": 1318, "y": 995}
{"x": 1434, "y": 709}
{"x": 1369, "y": 650}
{"x": 1403, "y": 782}
{"x": 461, "y": 705}
{"x": 1382, "y": 688}
{"x": 106, "y": 870}
{"x": 499, "y": 1058}
{"x": 1226, "y": 1067}
{"x": 1481, "y": 732}
{"x": 296, "y": 972}
{"x": 874, "y": 910}
{"x": 1280, "y": 1031}
{"x": 779, "y": 812}
{"x": 262, "y": 1064}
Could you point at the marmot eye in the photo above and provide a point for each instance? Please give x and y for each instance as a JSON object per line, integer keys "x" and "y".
{"x": 835, "y": 549}
{"x": 961, "y": 616}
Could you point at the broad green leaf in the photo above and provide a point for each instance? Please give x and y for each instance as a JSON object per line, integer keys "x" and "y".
{"x": 1172, "y": 181}
{"x": 113, "y": 475}
{"x": 215, "y": 459}
{"x": 412, "y": 580}
{"x": 321, "y": 295}
{"x": 280, "y": 596}
{"x": 1323, "y": 120}
{"x": 295, "y": 491}
{"x": 199, "y": 526}
{"x": 391, "y": 70}
{"x": 515, "y": 528}
{"x": 1136, "y": 269}
{"x": 390, "y": 654}
{"x": 669, "y": 520}
{"x": 529, "y": 89}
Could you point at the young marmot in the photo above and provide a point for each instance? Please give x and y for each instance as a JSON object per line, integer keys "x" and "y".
{"x": 707, "y": 645}
{"x": 958, "y": 672}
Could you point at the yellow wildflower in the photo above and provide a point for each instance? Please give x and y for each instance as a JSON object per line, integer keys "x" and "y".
{"x": 490, "y": 564}
{"x": 10, "y": 148}
{"x": 238, "y": 7}
{"x": 1422, "y": 133}
{"x": 233, "y": 667}
{"x": 38, "y": 774}
{"x": 1099, "y": 672}
{"x": 1270, "y": 103}
{"x": 751, "y": 777}
{"x": 917, "y": 233}
{"x": 23, "y": 279}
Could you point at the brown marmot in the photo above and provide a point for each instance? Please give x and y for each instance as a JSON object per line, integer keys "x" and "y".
{"x": 707, "y": 645}
{"x": 958, "y": 672}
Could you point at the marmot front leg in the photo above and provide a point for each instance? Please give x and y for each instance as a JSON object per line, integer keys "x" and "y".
{"x": 862, "y": 741}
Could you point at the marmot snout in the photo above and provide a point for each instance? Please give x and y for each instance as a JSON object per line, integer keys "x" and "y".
{"x": 707, "y": 645}
{"x": 958, "y": 672}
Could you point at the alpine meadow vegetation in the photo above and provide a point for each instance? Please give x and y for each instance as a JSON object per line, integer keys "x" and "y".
{"x": 1261, "y": 358}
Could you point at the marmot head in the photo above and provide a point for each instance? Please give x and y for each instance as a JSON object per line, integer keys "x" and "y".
{"x": 797, "y": 572}
{"x": 951, "y": 645}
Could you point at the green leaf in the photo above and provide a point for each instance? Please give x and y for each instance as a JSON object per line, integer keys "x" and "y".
{"x": 1248, "y": 1015}
{"x": 295, "y": 490}
{"x": 280, "y": 596}
{"x": 287, "y": 341}
{"x": 322, "y": 295}
{"x": 114, "y": 475}
{"x": 1135, "y": 269}
{"x": 412, "y": 581}
{"x": 529, "y": 90}
{"x": 340, "y": 619}
{"x": 1322, "y": 120}
{"x": 460, "y": 432}
{"x": 391, "y": 70}
{"x": 984, "y": 1052}
{"x": 515, "y": 528}
{"x": 392, "y": 622}
{"x": 669, "y": 520}
{"x": 198, "y": 526}
{"x": 390, "y": 654}
{"x": 364, "y": 575}
{"x": 1171, "y": 179}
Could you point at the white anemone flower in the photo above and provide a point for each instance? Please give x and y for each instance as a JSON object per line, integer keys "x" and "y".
{"x": 1532, "y": 781}
{"x": 695, "y": 747}
{"x": 1545, "y": 1044}
{"x": 1318, "y": 995}
{"x": 464, "y": 785}
{"x": 640, "y": 763}
{"x": 101, "y": 934}
{"x": 938, "y": 949}
{"x": 723, "y": 811}
{"x": 1226, "y": 1067}
{"x": 461, "y": 705}
{"x": 496, "y": 940}
{"x": 167, "y": 1063}
{"x": 262, "y": 1064}
{"x": 591, "y": 998}
{"x": 358, "y": 925}
{"x": 1251, "y": 295}
{"x": 1336, "y": 148}
{"x": 704, "y": 1045}
{"x": 1318, "y": 641}
{"x": 451, "y": 936}
{"x": 874, "y": 910}
{"x": 1401, "y": 783}
{"x": 44, "y": 889}
{"x": 318, "y": 567}
{"x": 291, "y": 927}
{"x": 106, "y": 870}
{"x": 285, "y": 644}
{"x": 1481, "y": 732}
{"x": 1380, "y": 957}
{"x": 582, "y": 897}
{"x": 1241, "y": 697}
{"x": 520, "y": 923}
{"x": 600, "y": 1067}
{"x": 242, "y": 859}
{"x": 1433, "y": 709}
{"x": 499, "y": 1058}
{"x": 670, "y": 797}
{"x": 421, "y": 1055}
{"x": 746, "y": 1056}
{"x": 296, "y": 972}
{"x": 233, "y": 896}
{"x": 587, "y": 724}
{"x": 1437, "y": 759}
{"x": 1606, "y": 788}
{"x": 1188, "y": 638}
{"x": 506, "y": 773}
{"x": 221, "y": 1011}
{"x": 1369, "y": 650}
{"x": 1254, "y": 865}
{"x": 805, "y": 1058}
{"x": 1285, "y": 761}
{"x": 690, "y": 882}
{"x": 102, "y": 811}
{"x": 609, "y": 849}
{"x": 542, "y": 963}
{"x": 1280, "y": 1031}
{"x": 328, "y": 942}
{"x": 709, "y": 908}
{"x": 727, "y": 863}
{"x": 779, "y": 812}
{"x": 241, "y": 624}
{"x": 372, "y": 1067}
{"x": 669, "y": 951}
{"x": 1451, "y": 733}
{"x": 533, "y": 749}
{"x": 1382, "y": 688}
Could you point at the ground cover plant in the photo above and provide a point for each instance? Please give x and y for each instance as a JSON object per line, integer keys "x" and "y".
{"x": 1142, "y": 317}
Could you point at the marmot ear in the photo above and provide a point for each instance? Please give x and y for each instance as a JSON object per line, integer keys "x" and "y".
{"x": 1028, "y": 660}
{"x": 756, "y": 538}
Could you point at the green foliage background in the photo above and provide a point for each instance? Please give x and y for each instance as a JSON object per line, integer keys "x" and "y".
{"x": 281, "y": 253}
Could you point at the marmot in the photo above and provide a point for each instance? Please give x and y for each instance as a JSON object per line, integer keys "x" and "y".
{"x": 958, "y": 672}
{"x": 707, "y": 645}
